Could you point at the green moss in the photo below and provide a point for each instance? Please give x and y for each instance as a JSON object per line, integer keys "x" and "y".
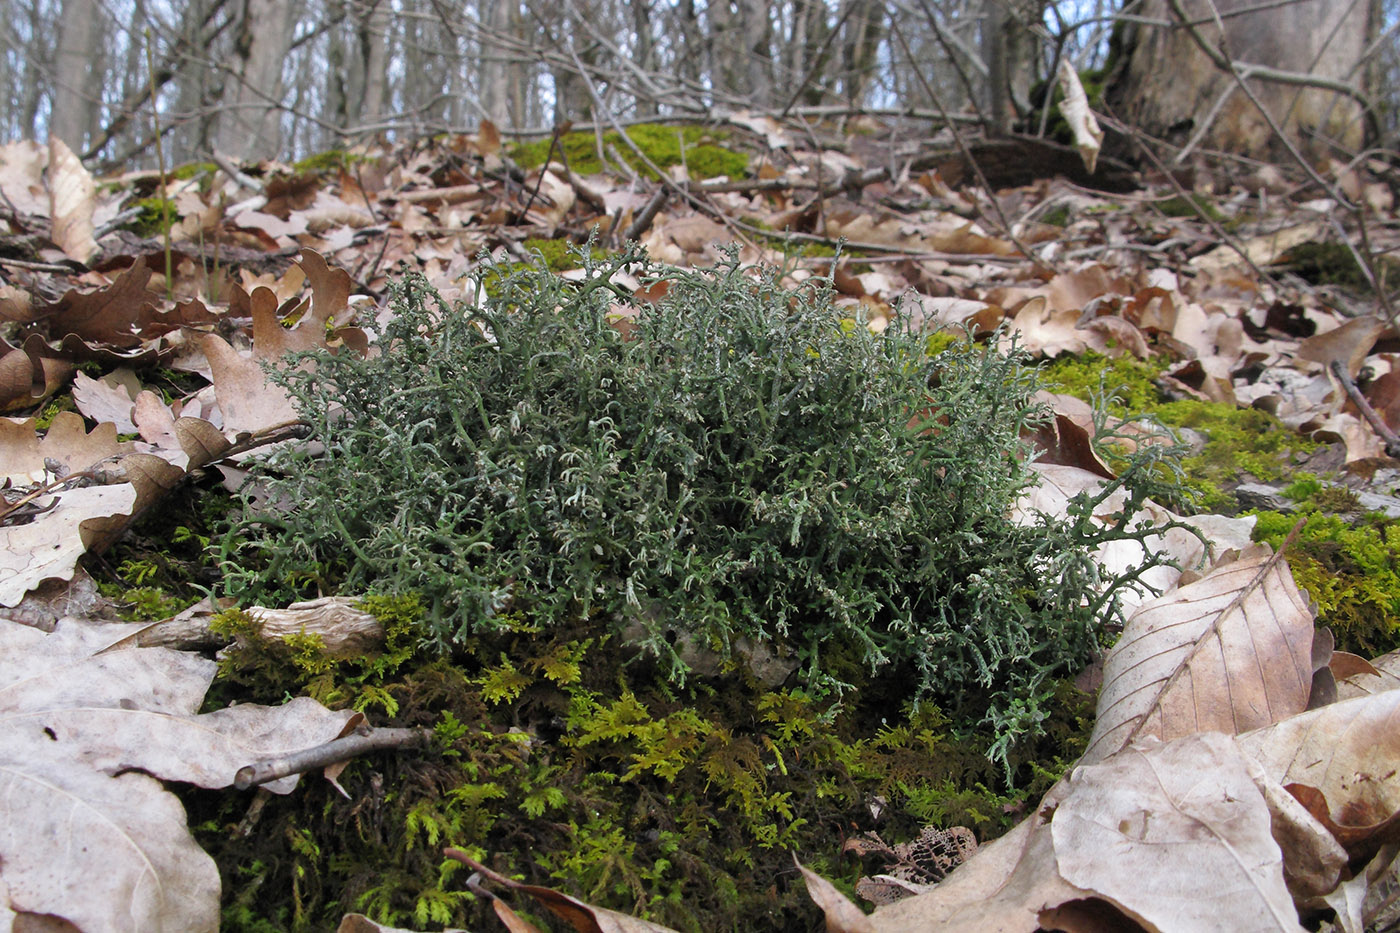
{"x": 299, "y": 663}
{"x": 50, "y": 409}
{"x": 1058, "y": 216}
{"x": 1352, "y": 572}
{"x": 666, "y": 146}
{"x": 1197, "y": 204}
{"x": 142, "y": 603}
{"x": 157, "y": 214}
{"x": 941, "y": 340}
{"x": 1327, "y": 263}
{"x": 1128, "y": 381}
{"x": 332, "y": 160}
{"x": 163, "y": 564}
{"x": 602, "y": 780}
{"x": 1237, "y": 440}
{"x": 561, "y": 254}
{"x": 192, "y": 169}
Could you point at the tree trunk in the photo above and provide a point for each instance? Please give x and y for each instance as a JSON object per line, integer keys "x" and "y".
{"x": 495, "y": 64}
{"x": 740, "y": 39}
{"x": 78, "y": 87}
{"x": 645, "y": 50}
{"x": 1009, "y": 49}
{"x": 249, "y": 123}
{"x": 1200, "y": 103}
{"x": 864, "y": 32}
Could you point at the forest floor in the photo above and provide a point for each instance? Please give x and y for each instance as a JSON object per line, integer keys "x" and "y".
{"x": 1244, "y": 306}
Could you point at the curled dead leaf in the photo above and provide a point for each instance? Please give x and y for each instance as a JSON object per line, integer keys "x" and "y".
{"x": 585, "y": 918}
{"x": 72, "y": 199}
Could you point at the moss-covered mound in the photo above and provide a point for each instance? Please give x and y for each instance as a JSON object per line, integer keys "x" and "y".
{"x": 566, "y": 762}
{"x": 695, "y": 147}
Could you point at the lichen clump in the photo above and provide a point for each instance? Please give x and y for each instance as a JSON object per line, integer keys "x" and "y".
{"x": 732, "y": 463}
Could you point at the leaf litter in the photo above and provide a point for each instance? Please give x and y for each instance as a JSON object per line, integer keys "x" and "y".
{"x": 1218, "y": 752}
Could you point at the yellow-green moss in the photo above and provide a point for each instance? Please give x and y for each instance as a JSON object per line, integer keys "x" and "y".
{"x": 1198, "y": 204}
{"x": 695, "y": 147}
{"x": 332, "y": 160}
{"x": 51, "y": 408}
{"x": 191, "y": 169}
{"x": 156, "y": 215}
{"x": 1238, "y": 440}
{"x": 1351, "y": 571}
{"x": 597, "y": 777}
{"x": 560, "y": 254}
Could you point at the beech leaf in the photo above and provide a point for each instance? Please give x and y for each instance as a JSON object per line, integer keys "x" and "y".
{"x": 1346, "y": 752}
{"x": 1227, "y": 653}
{"x": 1176, "y": 834}
{"x": 72, "y": 197}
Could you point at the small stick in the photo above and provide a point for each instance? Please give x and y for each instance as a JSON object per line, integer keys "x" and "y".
{"x": 648, "y": 214}
{"x": 360, "y": 742}
{"x": 1392, "y": 441}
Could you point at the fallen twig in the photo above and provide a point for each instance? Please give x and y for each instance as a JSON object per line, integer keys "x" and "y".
{"x": 363, "y": 740}
{"x": 1373, "y": 418}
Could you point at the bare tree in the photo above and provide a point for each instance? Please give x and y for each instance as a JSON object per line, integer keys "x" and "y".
{"x": 1245, "y": 77}
{"x": 77, "y": 84}
{"x": 249, "y": 123}
{"x": 1010, "y": 47}
{"x": 495, "y": 64}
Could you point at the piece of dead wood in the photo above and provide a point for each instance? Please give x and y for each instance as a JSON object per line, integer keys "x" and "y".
{"x": 1013, "y": 161}
{"x": 345, "y": 630}
{"x": 363, "y": 740}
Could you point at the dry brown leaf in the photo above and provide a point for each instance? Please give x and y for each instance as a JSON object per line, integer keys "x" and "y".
{"x": 22, "y": 166}
{"x": 110, "y": 398}
{"x": 82, "y": 836}
{"x": 48, "y": 548}
{"x": 205, "y": 750}
{"x": 70, "y": 667}
{"x": 69, "y": 442}
{"x": 952, "y": 313}
{"x": 842, "y": 916}
{"x": 1067, "y": 440}
{"x": 72, "y": 198}
{"x": 21, "y": 460}
{"x": 1007, "y": 887}
{"x": 1088, "y": 137}
{"x": 100, "y": 853}
{"x": 111, "y": 316}
{"x": 1261, "y": 250}
{"x": 1359, "y": 901}
{"x": 1346, "y": 752}
{"x": 30, "y": 373}
{"x": 1347, "y": 345}
{"x": 1358, "y": 677}
{"x": 330, "y": 290}
{"x": 1228, "y": 653}
{"x": 1059, "y": 484}
{"x": 247, "y": 400}
{"x": 200, "y": 440}
{"x": 1177, "y": 835}
{"x": 1173, "y": 837}
{"x": 966, "y": 240}
{"x": 585, "y": 918}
